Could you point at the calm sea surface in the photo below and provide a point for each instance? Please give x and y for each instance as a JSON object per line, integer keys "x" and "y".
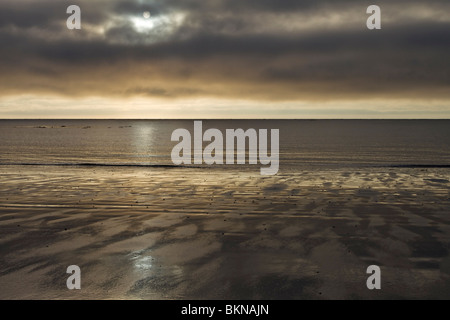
{"x": 303, "y": 143}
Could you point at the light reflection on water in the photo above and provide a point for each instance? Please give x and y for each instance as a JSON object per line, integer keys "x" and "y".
{"x": 143, "y": 263}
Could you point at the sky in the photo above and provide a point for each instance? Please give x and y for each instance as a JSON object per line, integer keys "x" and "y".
{"x": 224, "y": 59}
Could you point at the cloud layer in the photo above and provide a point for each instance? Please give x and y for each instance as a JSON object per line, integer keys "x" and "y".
{"x": 266, "y": 50}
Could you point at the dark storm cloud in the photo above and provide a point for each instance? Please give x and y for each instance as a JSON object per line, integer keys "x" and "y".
{"x": 226, "y": 48}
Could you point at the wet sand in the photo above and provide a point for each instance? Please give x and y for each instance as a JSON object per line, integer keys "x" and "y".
{"x": 179, "y": 233}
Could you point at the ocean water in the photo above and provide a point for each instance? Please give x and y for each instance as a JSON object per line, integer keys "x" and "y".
{"x": 303, "y": 143}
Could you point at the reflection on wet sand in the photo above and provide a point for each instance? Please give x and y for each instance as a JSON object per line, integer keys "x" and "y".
{"x": 153, "y": 233}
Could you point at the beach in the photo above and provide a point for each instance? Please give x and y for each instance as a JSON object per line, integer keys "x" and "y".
{"x": 209, "y": 233}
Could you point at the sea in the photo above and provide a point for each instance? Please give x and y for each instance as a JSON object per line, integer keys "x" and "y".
{"x": 303, "y": 144}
